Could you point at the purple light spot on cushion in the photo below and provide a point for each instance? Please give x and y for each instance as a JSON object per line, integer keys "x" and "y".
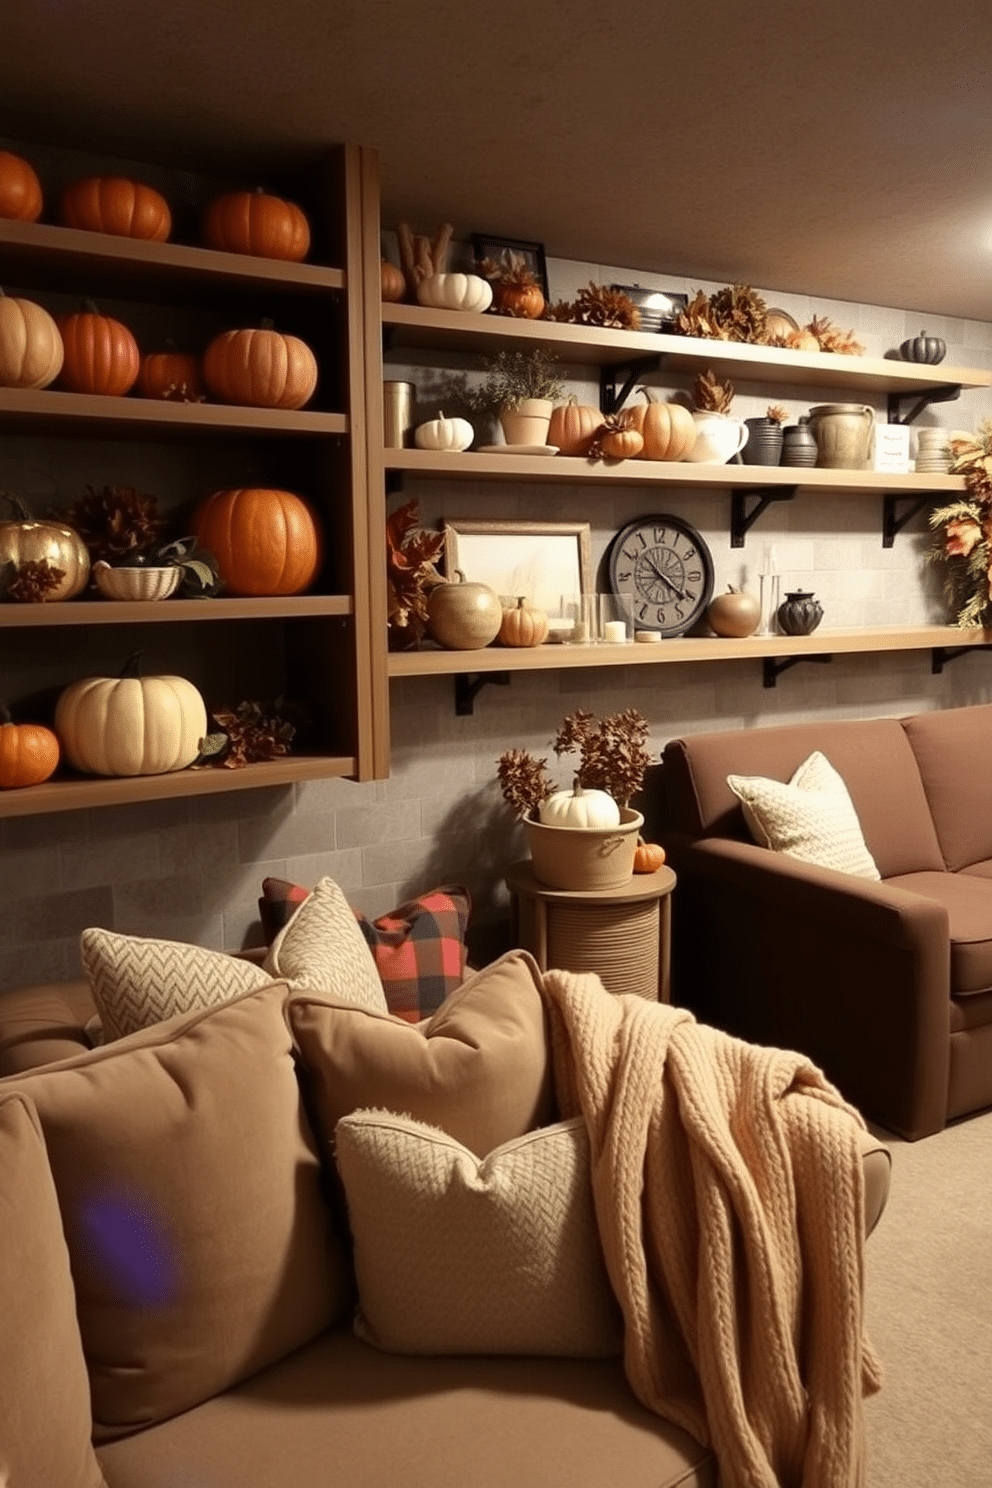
{"x": 132, "y": 1248}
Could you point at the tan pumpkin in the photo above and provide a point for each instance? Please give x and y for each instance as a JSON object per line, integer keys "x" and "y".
{"x": 20, "y": 189}
{"x": 31, "y": 350}
{"x": 667, "y": 429}
{"x": 129, "y": 725}
{"x": 391, "y": 281}
{"x": 100, "y": 354}
{"x": 574, "y": 426}
{"x": 29, "y": 752}
{"x": 523, "y": 625}
{"x": 463, "y": 616}
{"x": 257, "y": 223}
{"x": 524, "y": 301}
{"x": 618, "y": 440}
{"x": 266, "y": 541}
{"x": 118, "y": 205}
{"x": 260, "y": 369}
{"x": 648, "y": 857}
{"x": 24, "y": 540}
{"x": 175, "y": 376}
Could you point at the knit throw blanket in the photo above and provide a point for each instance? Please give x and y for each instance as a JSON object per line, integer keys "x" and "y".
{"x": 729, "y": 1193}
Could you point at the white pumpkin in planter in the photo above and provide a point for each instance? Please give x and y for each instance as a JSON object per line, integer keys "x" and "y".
{"x": 444, "y": 434}
{"x": 455, "y": 292}
{"x": 580, "y": 808}
{"x": 129, "y": 725}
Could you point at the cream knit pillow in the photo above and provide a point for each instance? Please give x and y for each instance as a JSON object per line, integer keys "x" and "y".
{"x": 456, "y": 1254}
{"x": 321, "y": 949}
{"x": 812, "y": 817}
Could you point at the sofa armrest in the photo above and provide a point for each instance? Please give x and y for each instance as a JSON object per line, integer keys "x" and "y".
{"x": 851, "y": 971}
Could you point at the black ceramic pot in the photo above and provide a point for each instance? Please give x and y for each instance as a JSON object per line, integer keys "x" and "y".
{"x": 764, "y": 442}
{"x": 799, "y": 613}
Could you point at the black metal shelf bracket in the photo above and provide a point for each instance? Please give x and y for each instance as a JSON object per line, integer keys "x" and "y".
{"x": 774, "y": 666}
{"x": 894, "y": 521}
{"x": 946, "y": 393}
{"x": 613, "y": 396}
{"x": 468, "y": 685}
{"x": 941, "y": 655}
{"x": 742, "y": 520}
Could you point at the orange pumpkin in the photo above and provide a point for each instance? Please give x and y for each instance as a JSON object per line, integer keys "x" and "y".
{"x": 29, "y": 753}
{"x": 667, "y": 429}
{"x": 525, "y": 301}
{"x": 574, "y": 426}
{"x": 265, "y": 541}
{"x": 101, "y": 355}
{"x": 260, "y": 368}
{"x": 648, "y": 857}
{"x": 523, "y": 625}
{"x": 20, "y": 189}
{"x": 115, "y": 204}
{"x": 257, "y": 223}
{"x": 173, "y": 375}
{"x": 621, "y": 443}
{"x": 31, "y": 350}
{"x": 392, "y": 282}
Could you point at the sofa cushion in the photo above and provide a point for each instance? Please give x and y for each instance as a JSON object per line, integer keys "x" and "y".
{"x": 478, "y": 1068}
{"x": 505, "y": 1248}
{"x": 321, "y": 949}
{"x": 419, "y": 947}
{"x": 190, "y": 1190}
{"x": 812, "y": 817}
{"x": 951, "y": 748}
{"x": 43, "y": 1023}
{"x": 137, "y": 982}
{"x": 45, "y": 1395}
{"x": 968, "y": 900}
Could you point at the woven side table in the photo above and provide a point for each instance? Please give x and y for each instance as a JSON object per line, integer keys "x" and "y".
{"x": 621, "y": 934}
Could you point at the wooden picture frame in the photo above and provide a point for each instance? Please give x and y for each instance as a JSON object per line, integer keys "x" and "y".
{"x": 540, "y": 560}
{"x": 485, "y": 245}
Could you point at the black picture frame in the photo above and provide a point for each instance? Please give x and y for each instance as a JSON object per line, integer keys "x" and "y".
{"x": 485, "y": 245}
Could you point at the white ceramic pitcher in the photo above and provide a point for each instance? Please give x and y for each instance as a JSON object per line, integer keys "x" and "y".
{"x": 718, "y": 438}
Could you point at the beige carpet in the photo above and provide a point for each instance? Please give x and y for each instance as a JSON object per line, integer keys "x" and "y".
{"x": 930, "y": 1314}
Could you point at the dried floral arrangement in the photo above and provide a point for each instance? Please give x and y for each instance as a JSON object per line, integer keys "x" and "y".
{"x": 512, "y": 377}
{"x": 516, "y": 290}
{"x": 30, "y": 580}
{"x": 411, "y": 557}
{"x": 612, "y": 758}
{"x": 115, "y": 521}
{"x": 248, "y": 734}
{"x": 597, "y": 305}
{"x": 712, "y": 394}
{"x": 777, "y": 414}
{"x": 739, "y": 313}
{"x": 962, "y": 541}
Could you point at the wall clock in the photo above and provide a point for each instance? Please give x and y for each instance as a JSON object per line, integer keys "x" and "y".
{"x": 664, "y": 566}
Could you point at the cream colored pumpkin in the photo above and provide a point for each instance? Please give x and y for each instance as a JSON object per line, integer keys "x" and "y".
{"x": 444, "y": 434}
{"x": 455, "y": 292}
{"x": 31, "y": 350}
{"x": 123, "y": 726}
{"x": 580, "y": 808}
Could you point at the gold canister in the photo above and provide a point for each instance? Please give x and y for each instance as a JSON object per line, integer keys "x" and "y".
{"x": 397, "y": 414}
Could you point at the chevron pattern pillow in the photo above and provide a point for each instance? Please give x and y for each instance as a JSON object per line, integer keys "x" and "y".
{"x": 812, "y": 817}
{"x": 137, "y": 982}
{"x": 504, "y": 1249}
{"x": 321, "y": 949}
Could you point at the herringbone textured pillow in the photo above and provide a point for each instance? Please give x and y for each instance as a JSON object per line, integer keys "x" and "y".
{"x": 137, "y": 982}
{"x": 456, "y": 1254}
{"x": 321, "y": 949}
{"x": 812, "y": 817}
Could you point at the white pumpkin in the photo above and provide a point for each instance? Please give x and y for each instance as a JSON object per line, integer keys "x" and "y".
{"x": 455, "y": 292}
{"x": 31, "y": 349}
{"x": 580, "y": 808}
{"x": 130, "y": 725}
{"x": 444, "y": 434}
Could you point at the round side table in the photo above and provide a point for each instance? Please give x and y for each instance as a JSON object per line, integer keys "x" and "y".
{"x": 621, "y": 934}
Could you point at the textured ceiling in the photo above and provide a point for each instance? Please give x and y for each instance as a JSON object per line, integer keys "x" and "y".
{"x": 839, "y": 150}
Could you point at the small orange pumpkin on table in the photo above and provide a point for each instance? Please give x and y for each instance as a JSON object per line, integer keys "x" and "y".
{"x": 648, "y": 856}
{"x": 523, "y": 625}
{"x": 616, "y": 440}
{"x": 20, "y": 189}
{"x": 29, "y": 752}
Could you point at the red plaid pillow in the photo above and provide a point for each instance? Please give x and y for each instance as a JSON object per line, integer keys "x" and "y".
{"x": 419, "y": 948}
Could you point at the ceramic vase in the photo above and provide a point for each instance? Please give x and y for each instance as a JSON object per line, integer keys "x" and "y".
{"x": 843, "y": 435}
{"x": 718, "y": 438}
{"x": 580, "y": 858}
{"x": 799, "y": 613}
{"x": 764, "y": 442}
{"x": 798, "y": 445}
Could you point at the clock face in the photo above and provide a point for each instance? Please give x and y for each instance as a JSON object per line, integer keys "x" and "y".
{"x": 664, "y": 566}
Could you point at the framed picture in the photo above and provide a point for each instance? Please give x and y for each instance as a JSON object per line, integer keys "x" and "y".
{"x": 501, "y": 249}
{"x": 540, "y": 560}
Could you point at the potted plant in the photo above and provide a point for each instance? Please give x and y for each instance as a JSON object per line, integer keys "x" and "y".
{"x": 718, "y": 436}
{"x": 585, "y": 836}
{"x": 521, "y": 388}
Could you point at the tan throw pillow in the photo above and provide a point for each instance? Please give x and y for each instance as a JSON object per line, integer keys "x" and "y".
{"x": 812, "y": 817}
{"x": 201, "y": 1245}
{"x": 322, "y": 949}
{"x": 460, "y": 1255}
{"x": 45, "y": 1410}
{"x": 137, "y": 982}
{"x": 478, "y": 1068}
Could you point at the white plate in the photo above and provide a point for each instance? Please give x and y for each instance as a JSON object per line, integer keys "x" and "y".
{"x": 517, "y": 449}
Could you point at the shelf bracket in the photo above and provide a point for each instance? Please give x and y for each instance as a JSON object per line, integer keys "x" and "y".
{"x": 469, "y": 684}
{"x": 893, "y": 522}
{"x": 612, "y": 397}
{"x": 941, "y": 655}
{"x": 944, "y": 394}
{"x": 741, "y": 520}
{"x": 774, "y": 666}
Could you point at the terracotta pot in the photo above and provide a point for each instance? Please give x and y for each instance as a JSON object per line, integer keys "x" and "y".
{"x": 528, "y": 423}
{"x": 585, "y": 857}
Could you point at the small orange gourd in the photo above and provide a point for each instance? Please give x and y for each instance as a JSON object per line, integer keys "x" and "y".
{"x": 29, "y": 752}
{"x": 258, "y": 223}
{"x": 20, "y": 189}
{"x": 523, "y": 625}
{"x": 118, "y": 205}
{"x": 100, "y": 354}
{"x": 393, "y": 285}
{"x": 265, "y": 541}
{"x": 260, "y": 368}
{"x": 173, "y": 375}
{"x": 525, "y": 301}
{"x": 648, "y": 857}
{"x": 618, "y": 440}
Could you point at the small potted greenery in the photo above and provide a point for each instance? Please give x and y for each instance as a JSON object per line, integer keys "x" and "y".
{"x": 521, "y": 388}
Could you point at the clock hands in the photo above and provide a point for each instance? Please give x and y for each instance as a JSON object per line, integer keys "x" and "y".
{"x": 663, "y": 577}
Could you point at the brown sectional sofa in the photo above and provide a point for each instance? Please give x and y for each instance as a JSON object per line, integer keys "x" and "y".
{"x": 888, "y": 984}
